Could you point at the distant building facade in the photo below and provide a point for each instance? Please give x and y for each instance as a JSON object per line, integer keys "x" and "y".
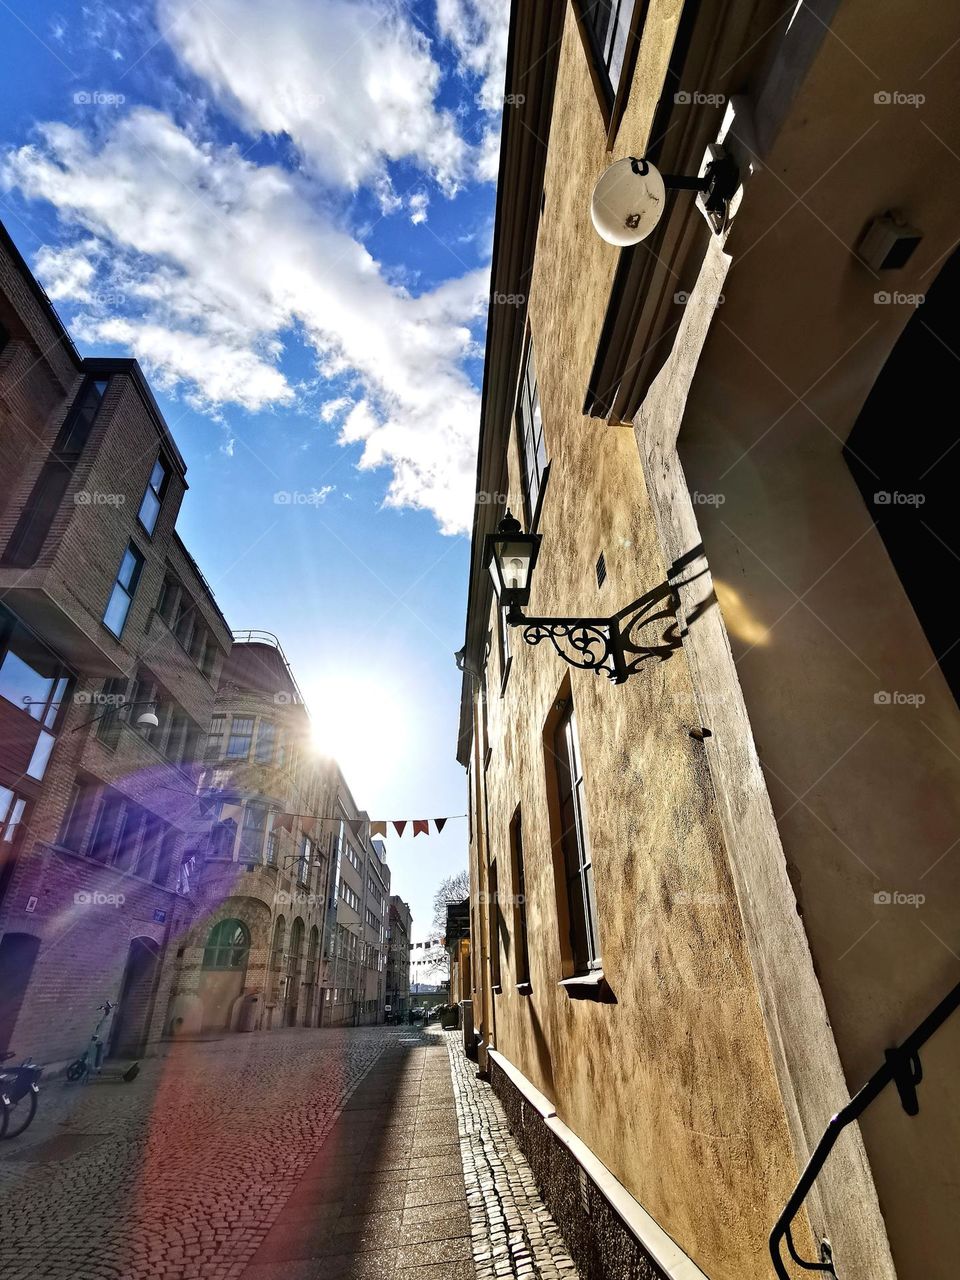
{"x": 252, "y": 961}
{"x": 398, "y": 957}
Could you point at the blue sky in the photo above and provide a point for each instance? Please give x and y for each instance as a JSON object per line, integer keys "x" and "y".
{"x": 285, "y": 212}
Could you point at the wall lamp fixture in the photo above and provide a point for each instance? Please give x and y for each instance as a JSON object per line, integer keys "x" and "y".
{"x": 630, "y": 196}
{"x": 610, "y": 645}
{"x": 147, "y": 719}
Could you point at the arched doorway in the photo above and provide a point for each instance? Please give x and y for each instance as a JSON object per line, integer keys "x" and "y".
{"x": 224, "y": 971}
{"x": 293, "y": 973}
{"x": 131, "y": 1024}
{"x": 18, "y": 954}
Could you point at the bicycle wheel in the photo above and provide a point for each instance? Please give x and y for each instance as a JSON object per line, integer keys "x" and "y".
{"x": 76, "y": 1069}
{"x": 18, "y": 1115}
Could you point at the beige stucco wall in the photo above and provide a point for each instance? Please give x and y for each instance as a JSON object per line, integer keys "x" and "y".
{"x": 672, "y": 1085}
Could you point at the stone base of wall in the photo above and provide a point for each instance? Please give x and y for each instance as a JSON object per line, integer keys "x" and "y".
{"x": 601, "y": 1241}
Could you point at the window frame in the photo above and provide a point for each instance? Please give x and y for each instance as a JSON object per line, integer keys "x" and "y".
{"x": 574, "y": 867}
{"x": 129, "y": 589}
{"x": 237, "y": 755}
{"x": 611, "y": 97}
{"x": 157, "y": 491}
{"x": 529, "y": 397}
{"x": 220, "y": 950}
{"x": 518, "y": 876}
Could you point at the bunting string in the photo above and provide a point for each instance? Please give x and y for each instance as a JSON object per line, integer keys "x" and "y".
{"x": 312, "y": 825}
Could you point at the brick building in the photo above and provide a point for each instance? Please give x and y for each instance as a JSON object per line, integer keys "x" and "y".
{"x": 111, "y": 645}
{"x": 252, "y": 960}
{"x": 145, "y": 759}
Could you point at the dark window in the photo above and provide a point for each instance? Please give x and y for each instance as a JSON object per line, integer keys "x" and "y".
{"x": 522, "y": 954}
{"x": 183, "y": 626}
{"x": 241, "y": 736}
{"x": 493, "y": 922}
{"x": 124, "y": 589}
{"x": 228, "y": 945}
{"x": 106, "y": 828}
{"x": 77, "y": 817}
{"x": 153, "y": 497}
{"x": 161, "y": 874}
{"x": 166, "y": 602}
{"x": 533, "y": 449}
{"x": 107, "y": 707}
{"x": 607, "y": 23}
{"x": 128, "y": 838}
{"x": 30, "y": 531}
{"x": 214, "y": 746}
{"x": 574, "y": 844}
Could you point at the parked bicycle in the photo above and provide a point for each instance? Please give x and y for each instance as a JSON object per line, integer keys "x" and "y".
{"x": 19, "y": 1090}
{"x": 91, "y": 1060}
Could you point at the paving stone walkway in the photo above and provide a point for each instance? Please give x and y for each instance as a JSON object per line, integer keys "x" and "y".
{"x": 513, "y": 1231}
{"x": 293, "y": 1155}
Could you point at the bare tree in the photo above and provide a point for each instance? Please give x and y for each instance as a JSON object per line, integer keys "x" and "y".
{"x": 453, "y": 889}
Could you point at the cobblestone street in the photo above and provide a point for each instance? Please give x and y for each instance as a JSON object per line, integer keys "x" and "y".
{"x": 297, "y": 1154}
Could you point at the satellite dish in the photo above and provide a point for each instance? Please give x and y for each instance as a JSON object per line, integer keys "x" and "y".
{"x": 628, "y": 201}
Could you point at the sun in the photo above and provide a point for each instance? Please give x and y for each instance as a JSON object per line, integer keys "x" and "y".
{"x": 365, "y": 723}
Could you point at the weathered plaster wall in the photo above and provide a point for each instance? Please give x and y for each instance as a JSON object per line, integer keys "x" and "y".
{"x": 671, "y": 1086}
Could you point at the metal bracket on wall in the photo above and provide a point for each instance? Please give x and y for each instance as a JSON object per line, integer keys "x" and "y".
{"x": 902, "y": 1067}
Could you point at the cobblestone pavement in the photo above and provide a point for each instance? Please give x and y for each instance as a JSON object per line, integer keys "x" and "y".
{"x": 513, "y": 1232}
{"x": 180, "y": 1173}
{"x": 291, "y": 1155}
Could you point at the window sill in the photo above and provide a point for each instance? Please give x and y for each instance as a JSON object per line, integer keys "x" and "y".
{"x": 588, "y": 986}
{"x": 524, "y": 989}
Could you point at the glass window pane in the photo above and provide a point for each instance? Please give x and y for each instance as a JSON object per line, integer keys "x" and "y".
{"x": 149, "y": 510}
{"x": 117, "y": 609}
{"x": 41, "y": 755}
{"x": 157, "y": 475}
{"x": 127, "y": 566}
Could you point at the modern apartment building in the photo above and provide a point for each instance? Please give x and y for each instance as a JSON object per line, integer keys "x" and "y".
{"x": 709, "y": 895}
{"x": 398, "y": 958}
{"x": 111, "y": 645}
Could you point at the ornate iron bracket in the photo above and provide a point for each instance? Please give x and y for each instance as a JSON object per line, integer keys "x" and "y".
{"x": 617, "y": 646}
{"x": 902, "y": 1067}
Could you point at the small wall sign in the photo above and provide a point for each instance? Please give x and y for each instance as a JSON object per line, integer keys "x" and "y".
{"x": 159, "y": 916}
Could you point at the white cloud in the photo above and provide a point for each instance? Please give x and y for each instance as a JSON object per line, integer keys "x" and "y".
{"x": 224, "y": 258}
{"x": 68, "y": 272}
{"x": 477, "y": 29}
{"x": 352, "y": 82}
{"x": 418, "y": 204}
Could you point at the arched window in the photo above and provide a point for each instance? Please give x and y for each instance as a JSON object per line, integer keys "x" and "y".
{"x": 227, "y": 946}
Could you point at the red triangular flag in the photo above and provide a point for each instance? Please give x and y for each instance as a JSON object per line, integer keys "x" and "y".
{"x": 421, "y": 827}
{"x": 439, "y": 823}
{"x": 355, "y": 825}
{"x": 283, "y": 822}
{"x": 399, "y": 826}
{"x": 308, "y": 826}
